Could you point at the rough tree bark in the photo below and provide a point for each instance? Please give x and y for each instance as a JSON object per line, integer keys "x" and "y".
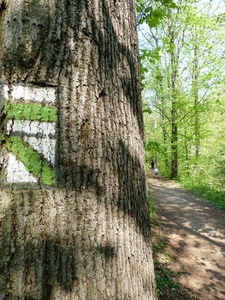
{"x": 74, "y": 212}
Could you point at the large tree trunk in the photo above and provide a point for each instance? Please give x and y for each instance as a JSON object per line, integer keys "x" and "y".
{"x": 74, "y": 212}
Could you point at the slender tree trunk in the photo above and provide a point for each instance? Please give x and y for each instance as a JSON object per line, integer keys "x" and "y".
{"x": 174, "y": 140}
{"x": 74, "y": 212}
{"x": 195, "y": 94}
{"x": 165, "y": 141}
{"x": 174, "y": 120}
{"x": 186, "y": 150}
{"x": 165, "y": 135}
{"x": 163, "y": 114}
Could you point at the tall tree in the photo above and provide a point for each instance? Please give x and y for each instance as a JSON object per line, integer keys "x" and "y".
{"x": 195, "y": 91}
{"x": 188, "y": 63}
{"x": 74, "y": 212}
{"x": 174, "y": 63}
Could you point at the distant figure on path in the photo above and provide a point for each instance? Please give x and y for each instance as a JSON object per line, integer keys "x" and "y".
{"x": 156, "y": 172}
{"x": 152, "y": 164}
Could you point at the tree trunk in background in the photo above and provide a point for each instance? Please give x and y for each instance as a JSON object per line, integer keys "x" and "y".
{"x": 163, "y": 114}
{"x": 195, "y": 93}
{"x": 174, "y": 141}
{"x": 74, "y": 212}
{"x": 165, "y": 135}
{"x": 186, "y": 150}
{"x": 174, "y": 118}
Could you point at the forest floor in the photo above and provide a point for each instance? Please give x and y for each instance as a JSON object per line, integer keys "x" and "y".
{"x": 188, "y": 243}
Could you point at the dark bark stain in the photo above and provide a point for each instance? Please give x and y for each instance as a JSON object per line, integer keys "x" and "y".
{"x": 84, "y": 129}
{"x": 2, "y": 7}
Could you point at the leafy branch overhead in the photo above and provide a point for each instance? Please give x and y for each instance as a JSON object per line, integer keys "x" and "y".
{"x": 152, "y": 12}
{"x": 154, "y": 146}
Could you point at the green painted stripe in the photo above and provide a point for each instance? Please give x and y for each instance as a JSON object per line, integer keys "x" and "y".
{"x": 31, "y": 160}
{"x": 27, "y": 111}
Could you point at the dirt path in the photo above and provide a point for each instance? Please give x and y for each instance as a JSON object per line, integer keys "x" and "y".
{"x": 195, "y": 231}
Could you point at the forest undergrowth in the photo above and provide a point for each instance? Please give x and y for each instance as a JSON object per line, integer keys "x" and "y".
{"x": 208, "y": 187}
{"x": 210, "y": 193}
